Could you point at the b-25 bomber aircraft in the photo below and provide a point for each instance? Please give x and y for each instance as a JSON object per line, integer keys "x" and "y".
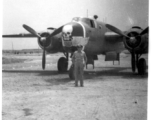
{"x": 96, "y": 37}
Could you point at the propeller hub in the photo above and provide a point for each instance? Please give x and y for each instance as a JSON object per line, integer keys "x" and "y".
{"x": 134, "y": 40}
{"x": 44, "y": 42}
{"x": 43, "y": 39}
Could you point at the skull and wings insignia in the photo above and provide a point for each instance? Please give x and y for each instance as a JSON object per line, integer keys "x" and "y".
{"x": 67, "y": 32}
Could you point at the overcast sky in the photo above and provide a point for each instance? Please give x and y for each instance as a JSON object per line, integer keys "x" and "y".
{"x": 40, "y": 14}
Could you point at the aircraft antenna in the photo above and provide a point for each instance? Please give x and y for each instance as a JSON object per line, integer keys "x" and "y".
{"x": 87, "y": 12}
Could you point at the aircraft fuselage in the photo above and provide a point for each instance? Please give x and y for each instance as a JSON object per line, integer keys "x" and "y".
{"x": 85, "y": 31}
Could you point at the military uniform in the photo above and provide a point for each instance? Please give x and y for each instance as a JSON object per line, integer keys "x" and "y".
{"x": 79, "y": 59}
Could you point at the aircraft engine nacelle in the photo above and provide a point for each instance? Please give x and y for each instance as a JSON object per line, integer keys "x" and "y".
{"x": 51, "y": 44}
{"x": 43, "y": 42}
{"x": 136, "y": 42}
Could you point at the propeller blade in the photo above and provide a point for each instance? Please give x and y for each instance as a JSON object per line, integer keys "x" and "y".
{"x": 43, "y": 59}
{"x": 51, "y": 35}
{"x": 57, "y": 31}
{"x": 31, "y": 30}
{"x": 145, "y": 31}
{"x": 116, "y": 30}
{"x": 51, "y": 28}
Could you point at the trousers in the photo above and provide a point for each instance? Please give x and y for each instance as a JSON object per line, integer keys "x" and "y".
{"x": 78, "y": 69}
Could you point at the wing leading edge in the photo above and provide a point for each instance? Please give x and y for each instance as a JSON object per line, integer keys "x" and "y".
{"x": 18, "y": 35}
{"x": 113, "y": 37}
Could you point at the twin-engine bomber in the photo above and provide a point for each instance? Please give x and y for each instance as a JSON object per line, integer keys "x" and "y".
{"x": 96, "y": 38}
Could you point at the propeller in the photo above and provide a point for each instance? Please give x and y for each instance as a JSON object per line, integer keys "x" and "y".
{"x": 133, "y": 51}
{"x": 55, "y": 32}
{"x": 32, "y": 31}
{"x": 145, "y": 31}
{"x": 131, "y": 39}
{"x": 116, "y": 30}
{"x": 43, "y": 57}
{"x": 51, "y": 28}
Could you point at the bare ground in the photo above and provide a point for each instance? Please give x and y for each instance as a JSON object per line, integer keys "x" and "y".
{"x": 110, "y": 92}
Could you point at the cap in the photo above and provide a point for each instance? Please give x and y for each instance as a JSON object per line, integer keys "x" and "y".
{"x": 79, "y": 46}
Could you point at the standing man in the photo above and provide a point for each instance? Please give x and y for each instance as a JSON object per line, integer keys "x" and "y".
{"x": 79, "y": 60}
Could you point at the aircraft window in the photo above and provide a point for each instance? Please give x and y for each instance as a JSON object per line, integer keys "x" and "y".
{"x": 88, "y": 22}
{"x": 85, "y": 20}
{"x": 76, "y": 19}
{"x": 92, "y": 23}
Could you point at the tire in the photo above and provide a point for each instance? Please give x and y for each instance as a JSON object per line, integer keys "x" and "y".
{"x": 142, "y": 66}
{"x": 71, "y": 73}
{"x": 62, "y": 64}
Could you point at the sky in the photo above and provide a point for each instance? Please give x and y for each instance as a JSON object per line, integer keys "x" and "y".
{"x": 41, "y": 14}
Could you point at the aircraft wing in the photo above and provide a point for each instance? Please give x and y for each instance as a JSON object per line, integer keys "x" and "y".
{"x": 18, "y": 35}
{"x": 113, "y": 37}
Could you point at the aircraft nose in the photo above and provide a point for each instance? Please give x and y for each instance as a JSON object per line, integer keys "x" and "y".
{"x": 67, "y": 32}
{"x": 73, "y": 34}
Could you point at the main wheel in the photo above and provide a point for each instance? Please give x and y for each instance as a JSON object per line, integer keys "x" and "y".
{"x": 71, "y": 73}
{"x": 62, "y": 64}
{"x": 142, "y": 66}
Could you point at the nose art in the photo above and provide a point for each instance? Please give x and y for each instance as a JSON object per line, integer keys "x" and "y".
{"x": 73, "y": 34}
{"x": 67, "y": 29}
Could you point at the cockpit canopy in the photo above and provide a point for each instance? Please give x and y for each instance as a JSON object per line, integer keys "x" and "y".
{"x": 88, "y": 21}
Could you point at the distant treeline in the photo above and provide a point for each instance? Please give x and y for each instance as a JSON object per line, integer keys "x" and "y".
{"x": 23, "y": 51}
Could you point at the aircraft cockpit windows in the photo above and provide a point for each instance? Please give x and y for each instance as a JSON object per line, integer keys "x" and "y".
{"x": 92, "y": 23}
{"x": 76, "y": 19}
{"x": 88, "y": 22}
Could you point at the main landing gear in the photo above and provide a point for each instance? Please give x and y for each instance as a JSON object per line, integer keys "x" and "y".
{"x": 139, "y": 63}
{"x": 63, "y": 66}
{"x": 63, "y": 63}
{"x": 71, "y": 73}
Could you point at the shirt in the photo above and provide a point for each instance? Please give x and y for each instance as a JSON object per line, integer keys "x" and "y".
{"x": 79, "y": 57}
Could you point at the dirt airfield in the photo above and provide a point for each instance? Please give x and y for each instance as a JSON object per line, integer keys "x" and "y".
{"x": 110, "y": 92}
